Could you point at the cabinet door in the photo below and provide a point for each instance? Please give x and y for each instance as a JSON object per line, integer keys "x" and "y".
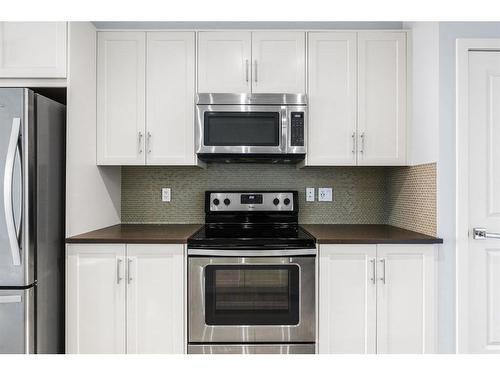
{"x": 332, "y": 98}
{"x": 347, "y": 299}
{"x": 95, "y": 299}
{"x": 406, "y": 299}
{"x": 121, "y": 65}
{"x": 382, "y": 98}
{"x": 155, "y": 302}
{"x": 33, "y": 49}
{"x": 170, "y": 75}
{"x": 278, "y": 62}
{"x": 224, "y": 60}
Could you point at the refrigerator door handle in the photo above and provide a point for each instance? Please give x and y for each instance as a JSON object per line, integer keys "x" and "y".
{"x": 7, "y": 189}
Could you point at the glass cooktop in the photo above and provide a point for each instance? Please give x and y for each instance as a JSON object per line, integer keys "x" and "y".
{"x": 252, "y": 236}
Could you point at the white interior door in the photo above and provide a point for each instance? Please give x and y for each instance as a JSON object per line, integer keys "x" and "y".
{"x": 347, "y": 299}
{"x": 155, "y": 299}
{"x": 95, "y": 299}
{"x": 278, "y": 62}
{"x": 224, "y": 59}
{"x": 483, "y": 257}
{"x": 332, "y": 98}
{"x": 406, "y": 299}
{"x": 170, "y": 75}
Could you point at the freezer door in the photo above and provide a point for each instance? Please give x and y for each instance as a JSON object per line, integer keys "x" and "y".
{"x": 16, "y": 263}
{"x": 17, "y": 321}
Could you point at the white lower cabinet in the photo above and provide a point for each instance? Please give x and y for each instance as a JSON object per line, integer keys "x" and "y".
{"x": 347, "y": 299}
{"x": 124, "y": 298}
{"x": 377, "y": 299}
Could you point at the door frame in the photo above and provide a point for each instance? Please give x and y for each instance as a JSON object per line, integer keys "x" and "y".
{"x": 463, "y": 46}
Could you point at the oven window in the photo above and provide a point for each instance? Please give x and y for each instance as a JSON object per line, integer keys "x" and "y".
{"x": 241, "y": 129}
{"x": 252, "y": 294}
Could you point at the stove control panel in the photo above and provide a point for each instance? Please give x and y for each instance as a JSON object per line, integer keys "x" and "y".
{"x": 251, "y": 201}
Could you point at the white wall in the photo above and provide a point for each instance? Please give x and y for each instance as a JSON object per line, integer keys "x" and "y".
{"x": 92, "y": 194}
{"x": 424, "y": 95}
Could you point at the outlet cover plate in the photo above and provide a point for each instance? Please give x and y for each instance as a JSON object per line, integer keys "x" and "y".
{"x": 325, "y": 194}
{"x": 166, "y": 195}
{"x": 309, "y": 194}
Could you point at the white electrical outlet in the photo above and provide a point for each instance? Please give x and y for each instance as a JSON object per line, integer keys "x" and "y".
{"x": 309, "y": 194}
{"x": 325, "y": 194}
{"x": 165, "y": 194}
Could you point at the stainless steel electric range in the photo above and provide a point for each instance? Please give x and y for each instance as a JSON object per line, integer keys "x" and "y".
{"x": 251, "y": 276}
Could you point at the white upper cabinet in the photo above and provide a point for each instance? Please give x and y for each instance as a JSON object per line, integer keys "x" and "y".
{"x": 155, "y": 299}
{"x": 244, "y": 62}
{"x": 121, "y": 65}
{"x": 224, "y": 59}
{"x": 347, "y": 299}
{"x": 406, "y": 299}
{"x": 332, "y": 98}
{"x": 170, "y": 88}
{"x": 33, "y": 49}
{"x": 278, "y": 62}
{"x": 382, "y": 98}
{"x": 95, "y": 299}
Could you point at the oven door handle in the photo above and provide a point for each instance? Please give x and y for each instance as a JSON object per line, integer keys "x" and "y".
{"x": 251, "y": 253}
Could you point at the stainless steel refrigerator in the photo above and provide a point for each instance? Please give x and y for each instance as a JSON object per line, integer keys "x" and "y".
{"x": 32, "y": 191}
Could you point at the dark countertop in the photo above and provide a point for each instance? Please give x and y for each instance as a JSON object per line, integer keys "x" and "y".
{"x": 324, "y": 234}
{"x": 366, "y": 234}
{"x": 138, "y": 233}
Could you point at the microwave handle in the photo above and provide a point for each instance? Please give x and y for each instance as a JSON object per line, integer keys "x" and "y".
{"x": 284, "y": 129}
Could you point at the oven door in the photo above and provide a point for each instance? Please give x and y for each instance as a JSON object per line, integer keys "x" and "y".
{"x": 241, "y": 129}
{"x": 261, "y": 299}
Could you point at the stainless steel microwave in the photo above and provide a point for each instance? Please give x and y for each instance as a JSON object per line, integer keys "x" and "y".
{"x": 251, "y": 127}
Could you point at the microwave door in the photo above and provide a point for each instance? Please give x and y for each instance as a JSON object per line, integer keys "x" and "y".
{"x": 241, "y": 129}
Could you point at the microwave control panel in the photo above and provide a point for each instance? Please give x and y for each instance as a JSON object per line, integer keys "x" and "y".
{"x": 297, "y": 128}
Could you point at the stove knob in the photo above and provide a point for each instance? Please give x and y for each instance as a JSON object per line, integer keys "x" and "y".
{"x": 286, "y": 201}
{"x": 216, "y": 201}
{"x": 227, "y": 201}
{"x": 276, "y": 201}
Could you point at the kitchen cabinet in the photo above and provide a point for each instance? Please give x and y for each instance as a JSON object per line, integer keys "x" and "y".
{"x": 170, "y": 86}
{"x": 357, "y": 98}
{"x": 332, "y": 98}
{"x": 382, "y": 98}
{"x": 406, "y": 299}
{"x": 155, "y": 299}
{"x": 258, "y": 62}
{"x": 377, "y": 299}
{"x": 33, "y": 49}
{"x": 121, "y": 65}
{"x": 125, "y": 298}
{"x": 224, "y": 59}
{"x": 347, "y": 299}
{"x": 145, "y": 103}
{"x": 95, "y": 299}
{"x": 278, "y": 62}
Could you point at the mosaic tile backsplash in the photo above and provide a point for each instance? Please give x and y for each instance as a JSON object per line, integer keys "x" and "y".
{"x": 361, "y": 194}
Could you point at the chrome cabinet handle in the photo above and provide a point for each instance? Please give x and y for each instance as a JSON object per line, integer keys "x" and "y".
{"x": 149, "y": 143}
{"x": 129, "y": 277}
{"x": 353, "y": 143}
{"x": 246, "y": 70}
{"x": 362, "y": 136}
{"x": 15, "y": 248}
{"x": 373, "y": 278}
{"x": 118, "y": 267}
{"x": 255, "y": 70}
{"x": 140, "y": 142}
{"x": 383, "y": 270}
{"x": 482, "y": 234}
